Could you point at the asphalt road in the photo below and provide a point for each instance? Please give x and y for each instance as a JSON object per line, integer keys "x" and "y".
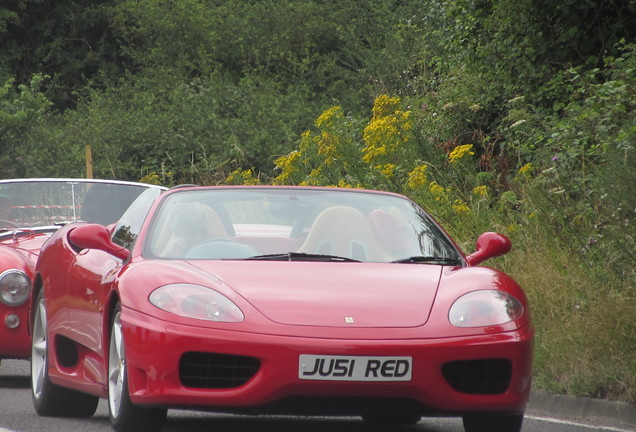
{"x": 17, "y": 415}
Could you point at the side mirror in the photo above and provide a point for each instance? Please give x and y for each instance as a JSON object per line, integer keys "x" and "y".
{"x": 94, "y": 236}
{"x": 489, "y": 245}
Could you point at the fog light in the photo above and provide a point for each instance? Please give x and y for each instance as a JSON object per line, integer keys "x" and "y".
{"x": 12, "y": 321}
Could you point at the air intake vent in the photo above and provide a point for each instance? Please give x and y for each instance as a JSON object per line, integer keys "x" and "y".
{"x": 216, "y": 371}
{"x": 489, "y": 376}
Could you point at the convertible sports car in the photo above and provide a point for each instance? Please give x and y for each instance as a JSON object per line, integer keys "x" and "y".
{"x": 278, "y": 300}
{"x": 30, "y": 211}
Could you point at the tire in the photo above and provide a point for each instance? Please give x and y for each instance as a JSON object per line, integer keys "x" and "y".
{"x": 493, "y": 423}
{"x": 124, "y": 415}
{"x": 51, "y": 400}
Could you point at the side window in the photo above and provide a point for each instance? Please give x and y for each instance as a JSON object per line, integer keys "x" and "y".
{"x": 129, "y": 225}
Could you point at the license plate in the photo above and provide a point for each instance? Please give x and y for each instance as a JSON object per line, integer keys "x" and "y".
{"x": 354, "y": 368}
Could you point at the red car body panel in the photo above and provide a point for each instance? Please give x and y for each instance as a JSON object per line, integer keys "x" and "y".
{"x": 333, "y": 291}
{"x": 291, "y": 308}
{"x": 19, "y": 253}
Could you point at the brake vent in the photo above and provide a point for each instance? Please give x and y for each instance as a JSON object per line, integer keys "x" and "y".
{"x": 216, "y": 371}
{"x": 488, "y": 376}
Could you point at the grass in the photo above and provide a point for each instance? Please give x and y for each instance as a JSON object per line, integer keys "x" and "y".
{"x": 585, "y": 318}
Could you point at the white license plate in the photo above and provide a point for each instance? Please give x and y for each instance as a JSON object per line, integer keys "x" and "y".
{"x": 354, "y": 368}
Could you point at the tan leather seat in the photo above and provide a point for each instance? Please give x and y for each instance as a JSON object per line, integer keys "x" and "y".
{"x": 346, "y": 232}
{"x": 188, "y": 225}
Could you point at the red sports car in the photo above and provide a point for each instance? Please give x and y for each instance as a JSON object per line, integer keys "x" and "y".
{"x": 30, "y": 211}
{"x": 278, "y": 300}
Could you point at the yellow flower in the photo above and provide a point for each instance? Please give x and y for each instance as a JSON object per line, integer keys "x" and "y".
{"x": 385, "y": 105}
{"x": 481, "y": 191}
{"x": 417, "y": 177}
{"x": 249, "y": 179}
{"x": 459, "y": 152}
{"x": 372, "y": 153}
{"x": 315, "y": 173}
{"x": 151, "y": 178}
{"x": 343, "y": 184}
{"x": 309, "y": 182}
{"x": 306, "y": 142}
{"x": 230, "y": 178}
{"x": 460, "y": 207}
{"x": 287, "y": 165}
{"x": 239, "y": 176}
{"x": 439, "y": 192}
{"x": 527, "y": 168}
{"x": 388, "y": 129}
{"x": 328, "y": 116}
{"x": 386, "y": 169}
{"x": 328, "y": 146}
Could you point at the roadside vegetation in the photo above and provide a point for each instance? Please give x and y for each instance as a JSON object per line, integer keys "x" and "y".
{"x": 514, "y": 116}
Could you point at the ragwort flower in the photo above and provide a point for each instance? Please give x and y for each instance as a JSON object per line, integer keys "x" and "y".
{"x": 440, "y": 193}
{"x": 481, "y": 191}
{"x": 329, "y": 116}
{"x": 388, "y": 129}
{"x": 386, "y": 169}
{"x": 459, "y": 152}
{"x": 417, "y": 177}
{"x": 288, "y": 166}
{"x": 460, "y": 207}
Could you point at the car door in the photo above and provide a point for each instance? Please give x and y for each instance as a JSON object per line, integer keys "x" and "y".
{"x": 90, "y": 282}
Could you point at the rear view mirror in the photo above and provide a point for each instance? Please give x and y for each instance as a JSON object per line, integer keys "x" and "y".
{"x": 94, "y": 236}
{"x": 489, "y": 245}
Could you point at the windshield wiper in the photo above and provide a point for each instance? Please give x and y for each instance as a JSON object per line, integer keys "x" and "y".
{"x": 300, "y": 256}
{"x": 429, "y": 260}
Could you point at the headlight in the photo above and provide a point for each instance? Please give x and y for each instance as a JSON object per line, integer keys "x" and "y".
{"x": 484, "y": 308}
{"x": 195, "y": 301}
{"x": 15, "y": 287}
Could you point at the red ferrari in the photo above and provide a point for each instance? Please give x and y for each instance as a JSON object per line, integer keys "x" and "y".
{"x": 30, "y": 211}
{"x": 278, "y": 300}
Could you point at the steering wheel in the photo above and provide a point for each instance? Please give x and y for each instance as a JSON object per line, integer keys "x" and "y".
{"x": 220, "y": 248}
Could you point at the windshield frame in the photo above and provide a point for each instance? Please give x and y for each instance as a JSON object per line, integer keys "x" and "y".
{"x": 38, "y": 204}
{"x": 341, "y": 196}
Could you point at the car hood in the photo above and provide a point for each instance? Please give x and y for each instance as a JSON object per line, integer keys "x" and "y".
{"x": 332, "y": 294}
{"x": 27, "y": 247}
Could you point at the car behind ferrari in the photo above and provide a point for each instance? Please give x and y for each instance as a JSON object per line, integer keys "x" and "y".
{"x": 278, "y": 300}
{"x": 30, "y": 211}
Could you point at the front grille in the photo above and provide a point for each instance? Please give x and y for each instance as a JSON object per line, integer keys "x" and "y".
{"x": 216, "y": 371}
{"x": 488, "y": 376}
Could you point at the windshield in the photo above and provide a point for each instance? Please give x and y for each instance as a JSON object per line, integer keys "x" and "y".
{"x": 33, "y": 203}
{"x": 295, "y": 224}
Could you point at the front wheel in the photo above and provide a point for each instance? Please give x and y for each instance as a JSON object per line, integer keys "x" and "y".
{"x": 50, "y": 399}
{"x": 493, "y": 423}
{"x": 124, "y": 415}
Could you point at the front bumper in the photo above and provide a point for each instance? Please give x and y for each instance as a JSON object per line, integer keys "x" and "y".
{"x": 154, "y": 350}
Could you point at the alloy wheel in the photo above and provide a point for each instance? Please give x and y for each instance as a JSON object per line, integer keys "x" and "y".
{"x": 39, "y": 348}
{"x": 116, "y": 367}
